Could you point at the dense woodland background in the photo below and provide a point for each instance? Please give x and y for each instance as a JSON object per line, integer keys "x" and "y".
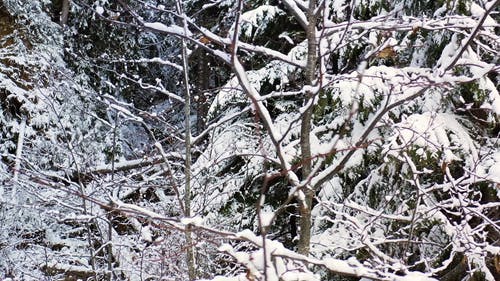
{"x": 249, "y": 140}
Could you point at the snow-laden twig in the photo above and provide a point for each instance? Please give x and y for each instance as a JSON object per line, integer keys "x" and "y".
{"x": 490, "y": 6}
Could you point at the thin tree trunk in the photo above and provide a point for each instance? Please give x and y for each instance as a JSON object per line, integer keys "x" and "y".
{"x": 190, "y": 255}
{"x": 110, "y": 218}
{"x": 203, "y": 85}
{"x": 305, "y": 131}
{"x": 65, "y": 12}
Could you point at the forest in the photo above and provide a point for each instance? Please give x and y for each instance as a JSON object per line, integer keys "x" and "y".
{"x": 250, "y": 140}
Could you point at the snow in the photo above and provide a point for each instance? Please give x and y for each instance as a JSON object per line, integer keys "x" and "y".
{"x": 339, "y": 7}
{"x": 99, "y": 10}
{"x": 146, "y": 234}
{"x": 266, "y": 218}
{"x": 296, "y": 11}
{"x": 477, "y": 11}
{"x": 256, "y": 20}
{"x": 237, "y": 141}
{"x": 125, "y": 112}
{"x": 439, "y": 12}
{"x": 240, "y": 277}
{"x": 299, "y": 276}
{"x": 174, "y": 29}
{"x": 19, "y": 152}
{"x": 53, "y": 238}
{"x": 126, "y": 207}
{"x": 494, "y": 170}
{"x": 196, "y": 221}
{"x": 71, "y": 268}
{"x": 432, "y": 131}
{"x": 78, "y": 217}
{"x": 224, "y": 56}
{"x": 285, "y": 36}
{"x": 414, "y": 276}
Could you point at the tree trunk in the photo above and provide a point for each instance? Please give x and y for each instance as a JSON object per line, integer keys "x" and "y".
{"x": 305, "y": 131}
{"x": 64, "y": 12}
{"x": 190, "y": 255}
{"x": 203, "y": 85}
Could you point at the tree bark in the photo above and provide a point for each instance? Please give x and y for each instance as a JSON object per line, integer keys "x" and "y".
{"x": 203, "y": 85}
{"x": 190, "y": 255}
{"x": 65, "y": 12}
{"x": 305, "y": 131}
